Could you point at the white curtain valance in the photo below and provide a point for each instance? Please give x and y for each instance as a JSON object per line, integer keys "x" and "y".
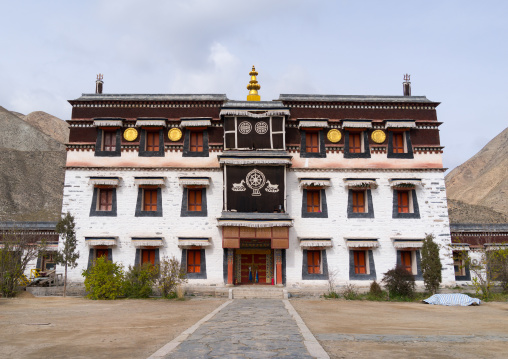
{"x": 400, "y": 124}
{"x": 495, "y": 246}
{"x": 459, "y": 247}
{"x": 196, "y": 122}
{"x": 149, "y": 181}
{"x": 150, "y": 122}
{"x": 405, "y": 182}
{"x": 314, "y": 182}
{"x": 366, "y": 183}
{"x": 357, "y": 124}
{"x": 257, "y": 114}
{"x": 104, "y": 181}
{"x": 100, "y": 241}
{"x": 147, "y": 242}
{"x": 193, "y": 242}
{"x": 255, "y": 161}
{"x": 311, "y": 123}
{"x": 107, "y": 123}
{"x": 194, "y": 181}
{"x": 362, "y": 243}
{"x": 315, "y": 242}
{"x": 254, "y": 223}
{"x": 408, "y": 243}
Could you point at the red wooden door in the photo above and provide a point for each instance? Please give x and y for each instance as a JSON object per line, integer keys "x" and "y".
{"x": 256, "y": 262}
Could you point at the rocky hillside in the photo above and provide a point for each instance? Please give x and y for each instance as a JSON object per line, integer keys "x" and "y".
{"x": 477, "y": 190}
{"x": 32, "y": 158}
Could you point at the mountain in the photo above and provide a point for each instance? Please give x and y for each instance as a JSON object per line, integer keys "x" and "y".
{"x": 477, "y": 190}
{"x": 33, "y": 166}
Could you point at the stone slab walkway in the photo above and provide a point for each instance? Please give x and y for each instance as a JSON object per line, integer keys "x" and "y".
{"x": 247, "y": 328}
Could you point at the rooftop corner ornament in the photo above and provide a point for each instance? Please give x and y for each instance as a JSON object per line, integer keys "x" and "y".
{"x": 253, "y": 86}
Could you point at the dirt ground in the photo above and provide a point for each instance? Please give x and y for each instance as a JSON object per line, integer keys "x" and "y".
{"x": 485, "y": 322}
{"x": 56, "y": 327}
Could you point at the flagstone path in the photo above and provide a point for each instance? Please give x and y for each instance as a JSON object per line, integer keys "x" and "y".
{"x": 247, "y": 328}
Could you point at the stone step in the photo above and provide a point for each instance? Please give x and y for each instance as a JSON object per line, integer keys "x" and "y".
{"x": 259, "y": 293}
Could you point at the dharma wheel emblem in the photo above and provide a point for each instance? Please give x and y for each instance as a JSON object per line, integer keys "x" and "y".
{"x": 261, "y": 127}
{"x": 255, "y": 181}
{"x": 334, "y": 135}
{"x": 175, "y": 134}
{"x": 244, "y": 128}
{"x": 130, "y": 134}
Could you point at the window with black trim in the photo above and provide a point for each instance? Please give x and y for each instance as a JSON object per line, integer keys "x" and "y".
{"x": 195, "y": 143}
{"x": 399, "y": 144}
{"x": 405, "y": 203}
{"x": 360, "y": 204}
{"x": 410, "y": 260}
{"x": 146, "y": 255}
{"x": 108, "y": 142}
{"x": 103, "y": 202}
{"x": 194, "y": 263}
{"x": 151, "y": 143}
{"x": 314, "y": 203}
{"x": 361, "y": 264}
{"x": 460, "y": 266}
{"x": 356, "y": 144}
{"x": 312, "y": 143}
{"x": 98, "y": 252}
{"x": 149, "y": 202}
{"x": 314, "y": 266}
{"x": 194, "y": 202}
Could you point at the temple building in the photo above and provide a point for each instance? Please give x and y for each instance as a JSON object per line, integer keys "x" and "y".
{"x": 290, "y": 192}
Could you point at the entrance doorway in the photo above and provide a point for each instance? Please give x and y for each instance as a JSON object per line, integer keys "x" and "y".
{"x": 254, "y": 266}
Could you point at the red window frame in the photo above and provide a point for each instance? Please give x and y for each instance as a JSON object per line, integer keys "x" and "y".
{"x": 314, "y": 262}
{"x": 196, "y": 141}
{"x": 101, "y": 252}
{"x": 105, "y": 199}
{"x": 398, "y": 142}
{"x": 313, "y": 200}
{"x": 149, "y": 200}
{"x": 355, "y": 142}
{"x": 152, "y": 141}
{"x": 403, "y": 204}
{"x": 312, "y": 141}
{"x": 360, "y": 262}
{"x": 109, "y": 140}
{"x": 194, "y": 200}
{"x": 406, "y": 261}
{"x": 358, "y": 201}
{"x": 193, "y": 261}
{"x": 148, "y": 256}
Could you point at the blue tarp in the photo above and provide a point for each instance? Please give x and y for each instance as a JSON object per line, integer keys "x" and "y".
{"x": 452, "y": 299}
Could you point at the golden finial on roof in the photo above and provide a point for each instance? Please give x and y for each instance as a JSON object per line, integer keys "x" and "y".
{"x": 253, "y": 86}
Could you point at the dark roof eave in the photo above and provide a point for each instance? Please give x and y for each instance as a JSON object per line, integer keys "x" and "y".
{"x": 150, "y": 97}
{"x": 355, "y": 98}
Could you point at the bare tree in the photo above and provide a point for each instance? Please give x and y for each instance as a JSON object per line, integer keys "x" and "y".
{"x": 17, "y": 251}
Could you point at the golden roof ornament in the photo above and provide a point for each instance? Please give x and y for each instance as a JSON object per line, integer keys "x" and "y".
{"x": 253, "y": 86}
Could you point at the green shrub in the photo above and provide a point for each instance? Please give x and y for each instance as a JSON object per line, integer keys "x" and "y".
{"x": 139, "y": 280}
{"x": 375, "y": 291}
{"x": 104, "y": 280}
{"x": 350, "y": 292}
{"x": 331, "y": 295}
{"x": 431, "y": 264}
{"x": 399, "y": 282}
{"x": 171, "y": 275}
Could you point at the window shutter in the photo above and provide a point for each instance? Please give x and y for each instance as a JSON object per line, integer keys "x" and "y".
{"x": 156, "y": 261}
{"x": 90, "y": 258}
{"x": 110, "y": 254}
{"x": 137, "y": 257}
{"x": 39, "y": 258}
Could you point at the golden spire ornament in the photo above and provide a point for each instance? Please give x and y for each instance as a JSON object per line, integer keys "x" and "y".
{"x": 253, "y": 86}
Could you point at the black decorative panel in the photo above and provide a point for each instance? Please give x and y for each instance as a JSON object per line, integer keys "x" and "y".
{"x": 255, "y": 188}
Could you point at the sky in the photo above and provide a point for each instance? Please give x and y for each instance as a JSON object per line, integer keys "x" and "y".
{"x": 455, "y": 51}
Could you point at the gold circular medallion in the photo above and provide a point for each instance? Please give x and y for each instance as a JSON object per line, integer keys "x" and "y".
{"x": 175, "y": 134}
{"x": 334, "y": 135}
{"x": 378, "y": 136}
{"x": 130, "y": 134}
